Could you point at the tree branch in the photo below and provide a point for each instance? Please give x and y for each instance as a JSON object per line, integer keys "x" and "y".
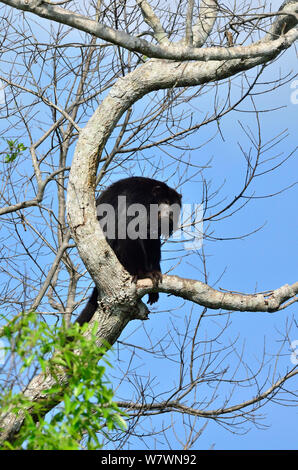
{"x": 204, "y": 295}
{"x": 153, "y": 21}
{"x": 205, "y": 23}
{"x": 175, "y": 405}
{"x": 264, "y": 48}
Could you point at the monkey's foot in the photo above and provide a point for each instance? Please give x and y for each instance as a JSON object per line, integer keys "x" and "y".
{"x": 155, "y": 276}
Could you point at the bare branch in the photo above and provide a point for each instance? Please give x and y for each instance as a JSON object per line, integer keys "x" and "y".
{"x": 206, "y": 296}
{"x": 153, "y": 21}
{"x": 189, "y": 18}
{"x": 177, "y": 406}
{"x": 263, "y": 48}
{"x": 205, "y": 22}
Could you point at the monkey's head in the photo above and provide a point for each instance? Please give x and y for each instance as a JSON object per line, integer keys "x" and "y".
{"x": 169, "y": 206}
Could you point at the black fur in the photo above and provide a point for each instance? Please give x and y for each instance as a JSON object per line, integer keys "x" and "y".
{"x": 140, "y": 256}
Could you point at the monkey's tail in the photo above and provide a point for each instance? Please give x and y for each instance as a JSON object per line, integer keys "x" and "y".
{"x": 89, "y": 310}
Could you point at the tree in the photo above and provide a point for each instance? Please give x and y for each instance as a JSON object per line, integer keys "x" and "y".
{"x": 110, "y": 98}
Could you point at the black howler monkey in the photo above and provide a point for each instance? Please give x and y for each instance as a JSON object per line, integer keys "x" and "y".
{"x": 133, "y": 214}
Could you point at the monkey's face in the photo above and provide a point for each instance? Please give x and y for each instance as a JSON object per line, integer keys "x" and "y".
{"x": 169, "y": 206}
{"x": 168, "y": 218}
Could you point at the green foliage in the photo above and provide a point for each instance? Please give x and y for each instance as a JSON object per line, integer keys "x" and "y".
{"x": 14, "y": 150}
{"x": 86, "y": 411}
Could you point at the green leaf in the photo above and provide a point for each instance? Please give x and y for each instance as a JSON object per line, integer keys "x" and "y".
{"x": 14, "y": 150}
{"x": 120, "y": 422}
{"x": 67, "y": 404}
